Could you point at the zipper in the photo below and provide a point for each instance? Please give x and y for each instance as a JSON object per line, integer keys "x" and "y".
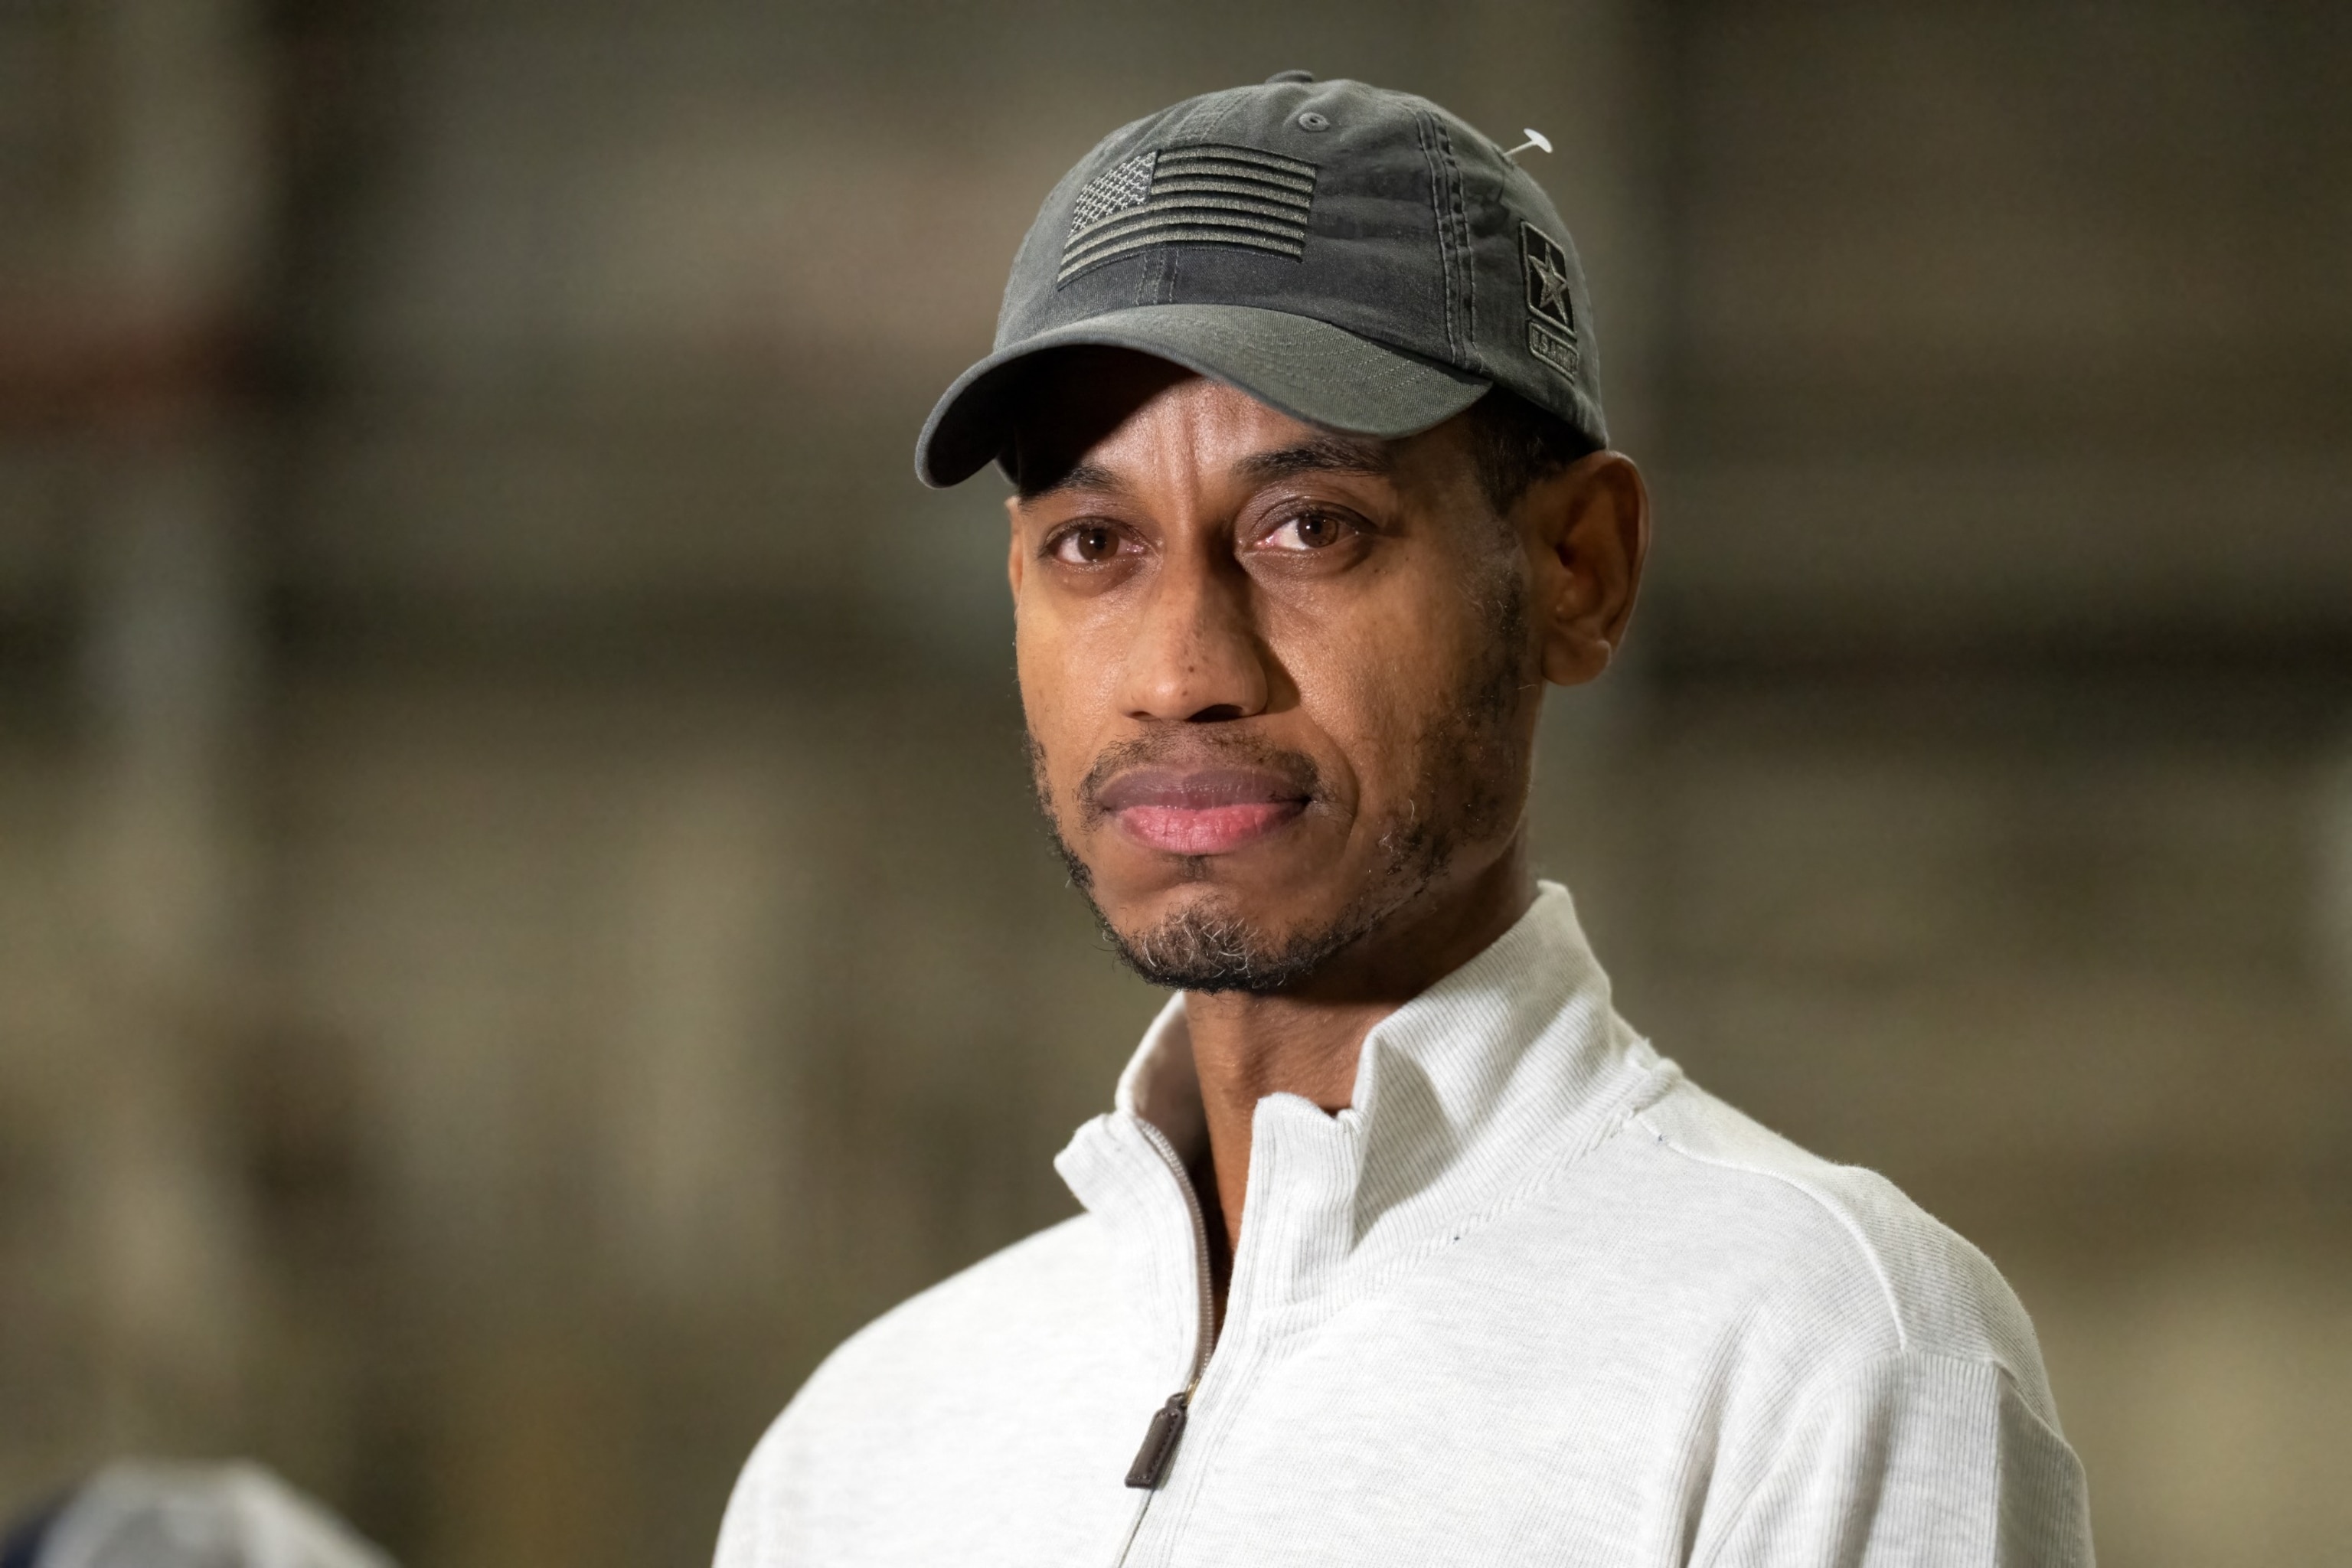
{"x": 1151, "y": 1467}
{"x": 1160, "y": 1438}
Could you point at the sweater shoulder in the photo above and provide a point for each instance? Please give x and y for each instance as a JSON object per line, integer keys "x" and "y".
{"x": 1016, "y": 1325}
{"x": 1917, "y": 1285}
{"x": 1021, "y": 1293}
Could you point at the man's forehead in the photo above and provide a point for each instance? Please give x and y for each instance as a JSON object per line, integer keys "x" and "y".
{"x": 1100, "y": 431}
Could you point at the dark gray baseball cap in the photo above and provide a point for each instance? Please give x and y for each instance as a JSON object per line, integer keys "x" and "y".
{"x": 1359, "y": 258}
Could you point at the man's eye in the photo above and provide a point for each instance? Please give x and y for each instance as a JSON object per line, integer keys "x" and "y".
{"x": 1308, "y": 530}
{"x": 1088, "y": 545}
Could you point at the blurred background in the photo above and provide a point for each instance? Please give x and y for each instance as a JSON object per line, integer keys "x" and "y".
{"x": 520, "y": 923}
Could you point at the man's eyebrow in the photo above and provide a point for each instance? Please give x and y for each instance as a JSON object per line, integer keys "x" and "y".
{"x": 1078, "y": 476}
{"x": 1316, "y": 455}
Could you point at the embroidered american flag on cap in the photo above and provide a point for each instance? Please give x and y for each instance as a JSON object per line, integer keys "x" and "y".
{"x": 1204, "y": 195}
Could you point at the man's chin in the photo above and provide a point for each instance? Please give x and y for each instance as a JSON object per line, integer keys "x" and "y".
{"x": 1212, "y": 942}
{"x": 1249, "y": 921}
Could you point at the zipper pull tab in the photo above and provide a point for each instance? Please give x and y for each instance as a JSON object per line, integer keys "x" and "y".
{"x": 1151, "y": 1467}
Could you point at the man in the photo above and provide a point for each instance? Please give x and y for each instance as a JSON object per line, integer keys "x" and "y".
{"x": 1399, "y": 1246}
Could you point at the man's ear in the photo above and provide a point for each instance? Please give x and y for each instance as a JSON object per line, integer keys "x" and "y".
{"x": 1588, "y": 533}
{"x": 1015, "y": 559}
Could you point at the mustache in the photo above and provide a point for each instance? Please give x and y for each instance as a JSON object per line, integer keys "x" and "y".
{"x": 1196, "y": 751}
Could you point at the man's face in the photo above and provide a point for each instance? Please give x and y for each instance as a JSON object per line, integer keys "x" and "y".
{"x": 1280, "y": 684}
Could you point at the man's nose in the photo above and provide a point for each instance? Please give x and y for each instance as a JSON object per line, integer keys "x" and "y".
{"x": 1197, "y": 657}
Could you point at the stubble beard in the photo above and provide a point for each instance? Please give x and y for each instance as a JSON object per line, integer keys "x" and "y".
{"x": 1469, "y": 757}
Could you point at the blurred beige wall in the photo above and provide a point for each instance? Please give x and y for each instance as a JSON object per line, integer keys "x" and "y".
{"x": 519, "y": 919}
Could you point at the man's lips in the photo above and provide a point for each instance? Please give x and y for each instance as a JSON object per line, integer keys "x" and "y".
{"x": 1203, "y": 811}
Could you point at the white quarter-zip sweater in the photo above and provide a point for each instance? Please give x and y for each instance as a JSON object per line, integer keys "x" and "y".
{"x": 1534, "y": 1297}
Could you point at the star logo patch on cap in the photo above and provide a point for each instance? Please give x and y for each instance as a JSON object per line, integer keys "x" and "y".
{"x": 1551, "y": 324}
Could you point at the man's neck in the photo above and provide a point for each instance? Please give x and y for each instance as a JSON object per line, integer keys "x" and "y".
{"x": 1306, "y": 1042}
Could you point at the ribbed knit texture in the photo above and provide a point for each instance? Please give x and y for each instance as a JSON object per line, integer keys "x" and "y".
{"x": 1533, "y": 1299}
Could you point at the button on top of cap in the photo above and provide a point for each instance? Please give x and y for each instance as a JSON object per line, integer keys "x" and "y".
{"x": 1289, "y": 76}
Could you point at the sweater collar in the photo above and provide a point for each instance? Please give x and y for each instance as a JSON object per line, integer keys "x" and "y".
{"x": 1468, "y": 1094}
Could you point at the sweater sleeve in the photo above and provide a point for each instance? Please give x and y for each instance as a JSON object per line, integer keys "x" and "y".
{"x": 1914, "y": 1461}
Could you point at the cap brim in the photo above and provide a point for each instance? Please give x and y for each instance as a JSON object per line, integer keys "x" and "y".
{"x": 1309, "y": 369}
